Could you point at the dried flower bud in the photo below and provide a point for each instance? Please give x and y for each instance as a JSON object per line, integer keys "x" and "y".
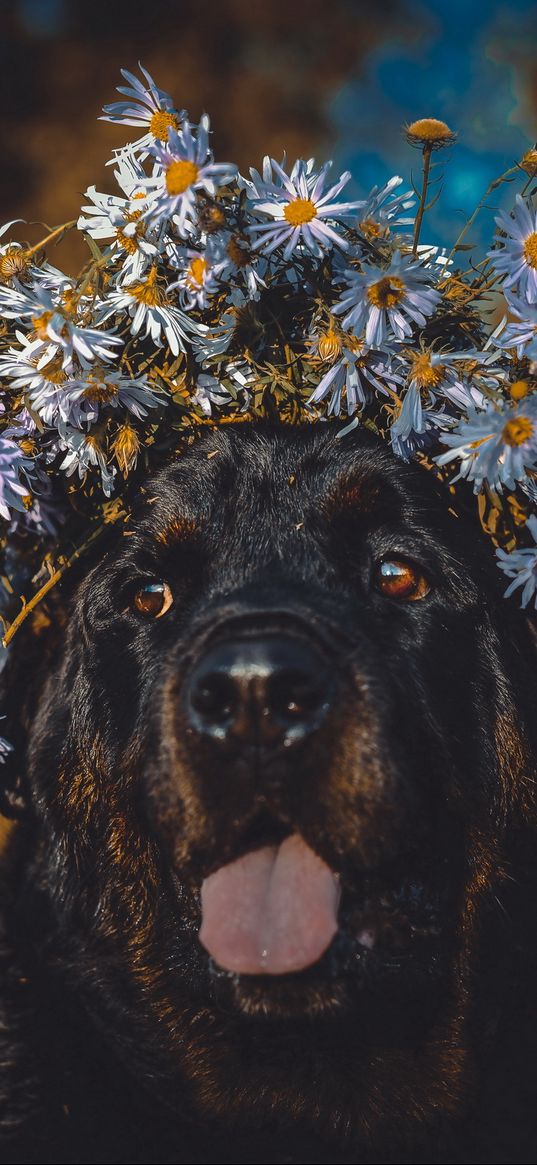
{"x": 429, "y": 133}
{"x": 13, "y": 262}
{"x": 125, "y": 447}
{"x": 529, "y": 162}
{"x": 329, "y": 346}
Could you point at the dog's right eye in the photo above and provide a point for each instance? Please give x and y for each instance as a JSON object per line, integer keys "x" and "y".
{"x": 400, "y": 579}
{"x": 153, "y": 599}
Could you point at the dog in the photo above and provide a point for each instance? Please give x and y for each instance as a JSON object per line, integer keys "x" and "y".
{"x": 271, "y": 896}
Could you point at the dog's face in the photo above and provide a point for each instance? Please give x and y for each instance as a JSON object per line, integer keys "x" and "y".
{"x": 275, "y": 770}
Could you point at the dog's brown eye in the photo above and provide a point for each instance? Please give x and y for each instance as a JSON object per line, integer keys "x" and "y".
{"x": 153, "y": 599}
{"x": 401, "y": 580}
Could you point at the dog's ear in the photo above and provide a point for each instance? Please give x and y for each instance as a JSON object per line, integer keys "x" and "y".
{"x": 21, "y": 678}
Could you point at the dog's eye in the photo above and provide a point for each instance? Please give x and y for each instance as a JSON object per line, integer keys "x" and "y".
{"x": 153, "y": 599}
{"x": 401, "y": 580}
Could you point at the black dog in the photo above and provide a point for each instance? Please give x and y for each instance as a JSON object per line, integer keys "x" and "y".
{"x": 273, "y": 893}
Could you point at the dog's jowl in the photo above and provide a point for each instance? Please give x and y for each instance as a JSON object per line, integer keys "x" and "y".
{"x": 271, "y": 891}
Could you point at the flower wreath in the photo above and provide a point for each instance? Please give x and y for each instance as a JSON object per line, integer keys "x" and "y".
{"x": 210, "y": 297}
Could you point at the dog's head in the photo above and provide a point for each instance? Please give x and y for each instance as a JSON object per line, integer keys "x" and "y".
{"x": 277, "y": 766}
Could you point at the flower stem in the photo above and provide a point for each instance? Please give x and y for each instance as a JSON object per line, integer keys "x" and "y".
{"x": 495, "y": 182}
{"x": 28, "y": 607}
{"x": 66, "y": 226}
{"x": 427, "y": 151}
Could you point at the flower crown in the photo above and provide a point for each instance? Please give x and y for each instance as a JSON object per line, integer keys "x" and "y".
{"x": 210, "y": 297}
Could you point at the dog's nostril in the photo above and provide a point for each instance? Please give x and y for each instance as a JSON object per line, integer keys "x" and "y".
{"x": 214, "y": 697}
{"x": 294, "y": 695}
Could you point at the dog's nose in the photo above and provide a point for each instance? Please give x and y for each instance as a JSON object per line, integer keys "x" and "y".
{"x": 263, "y": 692}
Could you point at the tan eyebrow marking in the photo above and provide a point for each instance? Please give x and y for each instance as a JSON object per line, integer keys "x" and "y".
{"x": 352, "y": 492}
{"x": 177, "y": 528}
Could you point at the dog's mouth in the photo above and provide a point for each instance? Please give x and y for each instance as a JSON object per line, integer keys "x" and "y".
{"x": 284, "y": 927}
{"x": 271, "y": 911}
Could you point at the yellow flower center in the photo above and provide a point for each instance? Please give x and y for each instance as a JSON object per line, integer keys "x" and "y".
{"x": 53, "y": 371}
{"x": 180, "y": 175}
{"x": 517, "y": 431}
{"x": 370, "y": 228}
{"x": 530, "y": 249}
{"x": 128, "y": 243}
{"x": 386, "y": 292}
{"x": 329, "y": 346}
{"x": 99, "y": 391}
{"x": 40, "y": 324}
{"x": 299, "y": 211}
{"x": 426, "y": 374}
{"x": 161, "y": 122}
{"x": 240, "y": 256}
{"x": 519, "y": 389}
{"x": 196, "y": 271}
{"x": 147, "y": 290}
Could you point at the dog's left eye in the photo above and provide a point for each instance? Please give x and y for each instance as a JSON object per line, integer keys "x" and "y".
{"x": 401, "y": 580}
{"x": 153, "y": 599}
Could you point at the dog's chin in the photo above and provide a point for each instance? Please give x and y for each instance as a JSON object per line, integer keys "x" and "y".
{"x": 392, "y": 968}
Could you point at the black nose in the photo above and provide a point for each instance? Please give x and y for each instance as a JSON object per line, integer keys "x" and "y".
{"x": 267, "y": 692}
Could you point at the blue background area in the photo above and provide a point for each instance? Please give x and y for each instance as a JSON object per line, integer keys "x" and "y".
{"x": 463, "y": 61}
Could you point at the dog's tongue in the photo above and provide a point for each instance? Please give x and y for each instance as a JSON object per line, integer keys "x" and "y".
{"x": 271, "y": 911}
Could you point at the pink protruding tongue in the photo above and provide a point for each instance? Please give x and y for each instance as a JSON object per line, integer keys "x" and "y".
{"x": 271, "y": 911}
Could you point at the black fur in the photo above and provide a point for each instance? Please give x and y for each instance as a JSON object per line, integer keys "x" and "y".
{"x": 119, "y": 1042}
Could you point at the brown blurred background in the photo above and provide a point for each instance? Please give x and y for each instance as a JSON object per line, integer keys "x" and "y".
{"x": 264, "y": 72}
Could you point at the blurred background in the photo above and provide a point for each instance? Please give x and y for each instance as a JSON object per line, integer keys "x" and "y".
{"x": 326, "y": 77}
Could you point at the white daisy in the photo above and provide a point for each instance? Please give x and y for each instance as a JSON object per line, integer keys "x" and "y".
{"x": 82, "y": 451}
{"x": 520, "y": 333}
{"x": 58, "y": 319}
{"x": 438, "y": 374}
{"x": 237, "y": 262}
{"x": 108, "y": 216}
{"x": 33, "y": 366}
{"x": 146, "y": 302}
{"x": 100, "y": 388}
{"x": 209, "y": 392}
{"x": 415, "y": 427}
{"x": 187, "y": 167}
{"x": 210, "y": 342}
{"x": 387, "y": 301}
{"x": 350, "y": 381}
{"x": 301, "y": 210}
{"x": 496, "y": 445}
{"x": 521, "y": 567}
{"x": 516, "y": 258}
{"x": 199, "y": 273}
{"x": 384, "y": 211}
{"x": 12, "y": 464}
{"x": 149, "y": 108}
